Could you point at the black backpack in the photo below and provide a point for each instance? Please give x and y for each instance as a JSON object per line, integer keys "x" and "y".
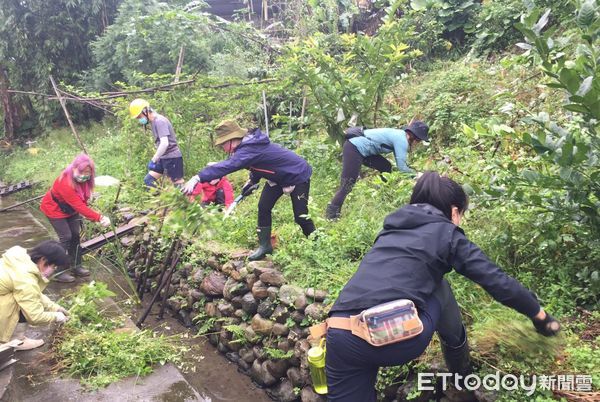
{"x": 352, "y": 132}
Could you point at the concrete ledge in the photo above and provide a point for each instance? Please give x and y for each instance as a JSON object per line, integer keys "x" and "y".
{"x": 164, "y": 384}
{"x": 6, "y": 376}
{"x": 31, "y": 380}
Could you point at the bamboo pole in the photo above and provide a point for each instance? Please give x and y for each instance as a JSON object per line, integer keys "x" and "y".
{"x": 91, "y": 102}
{"x": 120, "y": 94}
{"x": 64, "y": 107}
{"x": 264, "y": 96}
{"x": 21, "y": 203}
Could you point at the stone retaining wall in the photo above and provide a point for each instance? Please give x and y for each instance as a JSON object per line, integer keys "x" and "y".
{"x": 250, "y": 314}
{"x": 257, "y": 320}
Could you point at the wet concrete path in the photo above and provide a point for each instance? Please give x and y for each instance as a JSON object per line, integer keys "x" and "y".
{"x": 212, "y": 378}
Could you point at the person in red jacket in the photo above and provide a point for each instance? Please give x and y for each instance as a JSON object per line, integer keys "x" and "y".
{"x": 216, "y": 192}
{"x": 64, "y": 204}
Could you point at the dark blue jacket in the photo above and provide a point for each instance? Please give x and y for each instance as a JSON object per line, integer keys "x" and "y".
{"x": 416, "y": 248}
{"x": 264, "y": 160}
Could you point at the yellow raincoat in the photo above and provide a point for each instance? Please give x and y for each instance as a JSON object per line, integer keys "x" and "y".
{"x": 21, "y": 286}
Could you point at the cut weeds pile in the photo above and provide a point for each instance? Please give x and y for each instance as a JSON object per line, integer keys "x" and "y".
{"x": 95, "y": 346}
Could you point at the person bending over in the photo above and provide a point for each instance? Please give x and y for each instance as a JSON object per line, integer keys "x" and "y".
{"x": 23, "y": 276}
{"x": 284, "y": 170}
{"x": 366, "y": 147}
{"x": 64, "y": 204}
{"x": 419, "y": 244}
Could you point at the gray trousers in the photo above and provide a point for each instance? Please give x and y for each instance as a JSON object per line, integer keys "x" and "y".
{"x": 68, "y": 231}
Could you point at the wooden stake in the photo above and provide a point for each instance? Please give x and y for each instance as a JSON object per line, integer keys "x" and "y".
{"x": 265, "y": 10}
{"x": 141, "y": 289}
{"x": 179, "y": 64}
{"x": 167, "y": 286}
{"x": 114, "y": 206}
{"x": 167, "y": 260}
{"x": 161, "y": 285}
{"x": 303, "y": 107}
{"x": 64, "y": 107}
{"x": 290, "y": 119}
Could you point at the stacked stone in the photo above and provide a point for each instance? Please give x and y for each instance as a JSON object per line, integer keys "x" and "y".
{"x": 270, "y": 313}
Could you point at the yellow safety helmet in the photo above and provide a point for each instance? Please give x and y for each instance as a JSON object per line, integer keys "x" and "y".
{"x": 137, "y": 106}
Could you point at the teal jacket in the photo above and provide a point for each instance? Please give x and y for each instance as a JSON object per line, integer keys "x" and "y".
{"x": 377, "y": 141}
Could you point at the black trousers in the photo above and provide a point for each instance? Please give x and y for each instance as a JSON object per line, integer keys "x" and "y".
{"x": 352, "y": 363}
{"x": 219, "y": 200}
{"x": 68, "y": 231}
{"x": 299, "y": 196}
{"x": 352, "y": 160}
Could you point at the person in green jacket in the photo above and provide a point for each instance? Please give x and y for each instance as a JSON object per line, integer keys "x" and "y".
{"x": 23, "y": 276}
{"x": 366, "y": 147}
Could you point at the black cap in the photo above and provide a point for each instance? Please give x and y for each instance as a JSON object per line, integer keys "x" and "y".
{"x": 418, "y": 129}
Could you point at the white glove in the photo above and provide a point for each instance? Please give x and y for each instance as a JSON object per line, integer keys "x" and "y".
{"x": 63, "y": 310}
{"x": 188, "y": 187}
{"x": 60, "y": 317}
{"x": 105, "y": 221}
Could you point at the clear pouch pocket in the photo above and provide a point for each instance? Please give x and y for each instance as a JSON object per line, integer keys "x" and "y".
{"x": 390, "y": 322}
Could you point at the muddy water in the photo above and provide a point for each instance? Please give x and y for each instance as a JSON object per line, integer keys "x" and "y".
{"x": 19, "y": 227}
{"x": 209, "y": 373}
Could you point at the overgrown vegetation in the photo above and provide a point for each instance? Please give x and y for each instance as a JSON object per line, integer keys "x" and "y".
{"x": 513, "y": 112}
{"x": 95, "y": 347}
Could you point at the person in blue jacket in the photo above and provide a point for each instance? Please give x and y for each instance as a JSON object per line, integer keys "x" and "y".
{"x": 285, "y": 172}
{"x": 419, "y": 244}
{"x": 366, "y": 148}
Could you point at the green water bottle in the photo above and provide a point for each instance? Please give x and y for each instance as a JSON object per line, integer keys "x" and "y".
{"x": 316, "y": 363}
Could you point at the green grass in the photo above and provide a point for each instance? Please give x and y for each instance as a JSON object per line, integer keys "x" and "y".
{"x": 94, "y": 347}
{"x": 524, "y": 241}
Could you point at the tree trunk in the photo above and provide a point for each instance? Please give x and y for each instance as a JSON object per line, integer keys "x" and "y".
{"x": 11, "y": 115}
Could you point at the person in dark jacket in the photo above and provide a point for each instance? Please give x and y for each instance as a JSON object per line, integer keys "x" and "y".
{"x": 285, "y": 172}
{"x": 418, "y": 245}
{"x": 367, "y": 147}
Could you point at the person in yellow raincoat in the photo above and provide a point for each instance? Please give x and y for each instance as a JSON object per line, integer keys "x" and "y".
{"x": 23, "y": 276}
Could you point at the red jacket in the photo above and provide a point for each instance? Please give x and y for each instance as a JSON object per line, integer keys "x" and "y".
{"x": 209, "y": 192}
{"x": 64, "y": 192}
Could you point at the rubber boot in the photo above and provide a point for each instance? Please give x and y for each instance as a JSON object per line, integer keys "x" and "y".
{"x": 64, "y": 277}
{"x": 264, "y": 244}
{"x": 458, "y": 362}
{"x": 80, "y": 271}
{"x": 333, "y": 212}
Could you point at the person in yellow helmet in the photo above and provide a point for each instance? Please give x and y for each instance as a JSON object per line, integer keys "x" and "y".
{"x": 168, "y": 158}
